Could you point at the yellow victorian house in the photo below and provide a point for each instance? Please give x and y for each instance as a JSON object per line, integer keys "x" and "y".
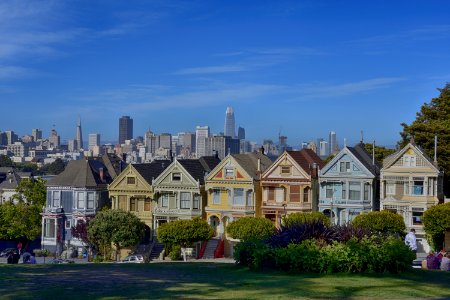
{"x": 410, "y": 184}
{"x": 233, "y": 190}
{"x": 132, "y": 191}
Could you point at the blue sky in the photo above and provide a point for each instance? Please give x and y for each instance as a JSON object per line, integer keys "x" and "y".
{"x": 302, "y": 68}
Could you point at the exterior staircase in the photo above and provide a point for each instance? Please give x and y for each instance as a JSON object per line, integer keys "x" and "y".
{"x": 156, "y": 251}
{"x": 210, "y": 248}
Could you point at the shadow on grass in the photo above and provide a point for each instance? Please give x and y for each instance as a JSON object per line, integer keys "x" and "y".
{"x": 210, "y": 280}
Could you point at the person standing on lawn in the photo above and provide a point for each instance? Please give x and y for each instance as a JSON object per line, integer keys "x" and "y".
{"x": 410, "y": 240}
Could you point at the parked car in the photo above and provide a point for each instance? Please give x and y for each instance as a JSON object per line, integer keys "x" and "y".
{"x": 7, "y": 251}
{"x": 133, "y": 259}
{"x": 62, "y": 261}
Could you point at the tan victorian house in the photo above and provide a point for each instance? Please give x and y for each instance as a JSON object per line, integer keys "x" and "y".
{"x": 290, "y": 185}
{"x": 132, "y": 191}
{"x": 410, "y": 184}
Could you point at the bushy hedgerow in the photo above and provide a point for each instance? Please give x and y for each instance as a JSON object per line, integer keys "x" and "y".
{"x": 383, "y": 221}
{"x": 372, "y": 254}
{"x": 251, "y": 228}
{"x": 436, "y": 221}
{"x": 305, "y": 217}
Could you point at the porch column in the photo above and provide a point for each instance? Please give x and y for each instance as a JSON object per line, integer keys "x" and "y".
{"x": 192, "y": 201}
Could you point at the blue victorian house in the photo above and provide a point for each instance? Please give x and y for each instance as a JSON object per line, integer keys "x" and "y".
{"x": 349, "y": 185}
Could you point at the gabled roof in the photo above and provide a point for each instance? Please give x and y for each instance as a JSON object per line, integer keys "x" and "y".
{"x": 306, "y": 158}
{"x": 391, "y": 159}
{"x": 114, "y": 164}
{"x": 9, "y": 179}
{"x": 198, "y": 168}
{"x": 249, "y": 162}
{"x": 151, "y": 170}
{"x": 365, "y": 158}
{"x": 82, "y": 173}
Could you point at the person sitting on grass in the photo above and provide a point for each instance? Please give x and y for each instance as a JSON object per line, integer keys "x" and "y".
{"x": 445, "y": 263}
{"x": 432, "y": 261}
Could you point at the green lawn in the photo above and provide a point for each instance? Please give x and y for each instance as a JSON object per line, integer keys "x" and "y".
{"x": 210, "y": 281}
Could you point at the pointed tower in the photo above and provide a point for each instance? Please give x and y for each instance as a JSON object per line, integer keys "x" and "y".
{"x": 79, "y": 137}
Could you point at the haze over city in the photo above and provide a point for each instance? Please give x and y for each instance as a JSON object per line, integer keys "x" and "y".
{"x": 302, "y": 68}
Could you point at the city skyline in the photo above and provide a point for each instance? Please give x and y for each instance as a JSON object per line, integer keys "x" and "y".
{"x": 173, "y": 65}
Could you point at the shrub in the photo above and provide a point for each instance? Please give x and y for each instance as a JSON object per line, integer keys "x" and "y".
{"x": 42, "y": 253}
{"x": 184, "y": 232}
{"x": 249, "y": 228}
{"x": 305, "y": 217}
{"x": 436, "y": 221}
{"x": 381, "y": 221}
{"x": 98, "y": 259}
{"x": 175, "y": 253}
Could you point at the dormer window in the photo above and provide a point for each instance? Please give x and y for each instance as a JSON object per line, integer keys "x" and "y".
{"x": 176, "y": 177}
{"x": 344, "y": 166}
{"x": 285, "y": 170}
{"x": 409, "y": 160}
{"x": 131, "y": 180}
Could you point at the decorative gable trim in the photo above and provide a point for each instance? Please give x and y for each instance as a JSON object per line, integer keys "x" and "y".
{"x": 409, "y": 149}
{"x": 334, "y": 164}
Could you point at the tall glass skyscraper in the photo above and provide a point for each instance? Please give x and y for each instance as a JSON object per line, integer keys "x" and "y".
{"x": 125, "y": 129}
{"x": 79, "y": 137}
{"x": 230, "y": 127}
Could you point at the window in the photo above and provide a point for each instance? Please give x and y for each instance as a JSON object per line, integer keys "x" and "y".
{"x": 271, "y": 194}
{"x": 279, "y": 195}
{"x": 80, "y": 200}
{"x": 417, "y": 217}
{"x": 133, "y": 204}
{"x": 185, "y": 200}
{"x": 147, "y": 204}
{"x": 165, "y": 200}
{"x": 56, "y": 199}
{"x": 196, "y": 202}
{"x": 306, "y": 194}
{"x": 285, "y": 170}
{"x": 344, "y": 190}
{"x": 344, "y": 166}
{"x": 123, "y": 202}
{"x": 418, "y": 187}
{"x": 131, "y": 180}
{"x": 68, "y": 224}
{"x": 354, "y": 191}
{"x": 430, "y": 186}
{"x": 176, "y": 177}
{"x": 216, "y": 196}
{"x": 249, "y": 198}
{"x": 90, "y": 200}
{"x": 294, "y": 193}
{"x": 366, "y": 191}
{"x": 49, "y": 228}
{"x": 390, "y": 188}
{"x": 409, "y": 160}
{"x": 229, "y": 172}
{"x": 329, "y": 191}
{"x": 238, "y": 198}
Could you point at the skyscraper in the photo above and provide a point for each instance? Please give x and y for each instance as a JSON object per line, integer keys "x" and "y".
{"x": 125, "y": 129}
{"x": 241, "y": 133}
{"x": 201, "y": 133}
{"x": 332, "y": 142}
{"x": 94, "y": 140}
{"x": 37, "y": 134}
{"x": 79, "y": 135}
{"x": 230, "y": 128}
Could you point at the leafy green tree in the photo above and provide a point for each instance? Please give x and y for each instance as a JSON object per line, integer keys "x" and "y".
{"x": 305, "y": 217}
{"x": 115, "y": 227}
{"x": 383, "y": 221}
{"x": 54, "y": 168}
{"x": 19, "y": 221}
{"x": 184, "y": 232}
{"x": 31, "y": 191}
{"x": 251, "y": 228}
{"x": 436, "y": 221}
{"x": 433, "y": 119}
{"x": 381, "y": 152}
{"x": 28, "y": 167}
{"x": 5, "y": 161}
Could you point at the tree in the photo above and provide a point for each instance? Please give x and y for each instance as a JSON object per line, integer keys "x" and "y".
{"x": 433, "y": 119}
{"x": 305, "y": 217}
{"x": 383, "y": 221}
{"x": 54, "y": 168}
{"x": 436, "y": 221}
{"x": 248, "y": 228}
{"x": 31, "y": 191}
{"x": 184, "y": 232}
{"x": 117, "y": 227}
{"x": 80, "y": 232}
{"x": 20, "y": 221}
{"x": 5, "y": 161}
{"x": 381, "y": 152}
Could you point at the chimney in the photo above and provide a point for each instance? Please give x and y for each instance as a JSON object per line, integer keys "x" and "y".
{"x": 102, "y": 174}
{"x": 216, "y": 154}
{"x": 314, "y": 172}
{"x": 262, "y": 150}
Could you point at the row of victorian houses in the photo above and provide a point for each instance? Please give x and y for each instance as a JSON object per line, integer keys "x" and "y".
{"x": 408, "y": 183}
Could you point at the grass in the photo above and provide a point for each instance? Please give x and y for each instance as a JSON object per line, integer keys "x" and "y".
{"x": 209, "y": 281}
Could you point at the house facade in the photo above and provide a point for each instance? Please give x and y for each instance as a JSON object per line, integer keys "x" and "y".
{"x": 233, "y": 189}
{"x": 180, "y": 190}
{"x": 290, "y": 185}
{"x": 9, "y": 181}
{"x": 132, "y": 191}
{"x": 410, "y": 184}
{"x": 349, "y": 185}
{"x": 74, "y": 195}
